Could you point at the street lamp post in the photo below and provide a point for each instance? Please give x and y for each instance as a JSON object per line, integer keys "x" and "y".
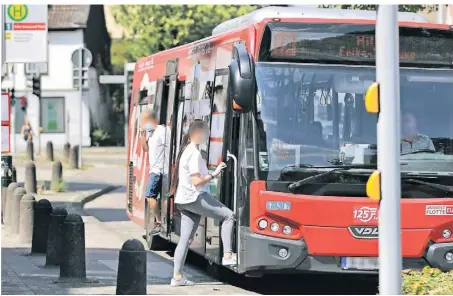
{"x": 388, "y": 148}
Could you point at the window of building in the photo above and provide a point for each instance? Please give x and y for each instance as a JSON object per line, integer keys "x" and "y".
{"x": 52, "y": 115}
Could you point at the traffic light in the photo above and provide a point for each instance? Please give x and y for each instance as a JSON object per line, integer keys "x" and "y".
{"x": 12, "y": 97}
{"x": 23, "y": 103}
{"x": 36, "y": 85}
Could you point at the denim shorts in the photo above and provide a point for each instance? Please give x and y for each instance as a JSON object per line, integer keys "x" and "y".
{"x": 154, "y": 186}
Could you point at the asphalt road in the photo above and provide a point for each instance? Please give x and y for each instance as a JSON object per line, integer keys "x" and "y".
{"x": 110, "y": 210}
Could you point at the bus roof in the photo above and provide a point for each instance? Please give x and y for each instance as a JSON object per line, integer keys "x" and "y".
{"x": 308, "y": 11}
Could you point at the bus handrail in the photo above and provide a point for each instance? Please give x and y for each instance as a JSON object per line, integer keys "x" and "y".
{"x": 235, "y": 161}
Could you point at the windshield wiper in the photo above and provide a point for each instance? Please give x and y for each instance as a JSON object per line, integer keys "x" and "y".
{"x": 419, "y": 151}
{"x": 445, "y": 188}
{"x": 335, "y": 169}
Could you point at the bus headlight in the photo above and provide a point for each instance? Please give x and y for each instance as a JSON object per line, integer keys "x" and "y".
{"x": 446, "y": 233}
{"x": 275, "y": 227}
{"x": 287, "y": 230}
{"x": 262, "y": 223}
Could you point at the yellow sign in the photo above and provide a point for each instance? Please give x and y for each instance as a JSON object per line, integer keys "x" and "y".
{"x": 17, "y": 13}
{"x": 8, "y": 35}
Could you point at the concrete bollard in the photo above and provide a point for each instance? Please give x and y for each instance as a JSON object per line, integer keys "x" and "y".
{"x": 30, "y": 151}
{"x": 66, "y": 149}
{"x": 8, "y": 202}
{"x": 19, "y": 192}
{"x": 49, "y": 151}
{"x": 43, "y": 209}
{"x": 30, "y": 178}
{"x": 27, "y": 209}
{"x": 57, "y": 176}
{"x": 55, "y": 238}
{"x": 131, "y": 278}
{"x": 14, "y": 173}
{"x": 74, "y": 157}
{"x": 73, "y": 264}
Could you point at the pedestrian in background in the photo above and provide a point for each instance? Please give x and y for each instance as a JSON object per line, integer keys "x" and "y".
{"x": 27, "y": 131}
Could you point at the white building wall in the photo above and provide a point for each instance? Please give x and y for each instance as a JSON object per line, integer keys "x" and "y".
{"x": 58, "y": 83}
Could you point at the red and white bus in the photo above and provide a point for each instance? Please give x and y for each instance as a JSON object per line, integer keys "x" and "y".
{"x": 282, "y": 89}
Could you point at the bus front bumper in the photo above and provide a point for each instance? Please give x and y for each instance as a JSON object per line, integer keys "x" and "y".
{"x": 264, "y": 254}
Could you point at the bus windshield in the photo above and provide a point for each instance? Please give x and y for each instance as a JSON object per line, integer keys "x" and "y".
{"x": 314, "y": 115}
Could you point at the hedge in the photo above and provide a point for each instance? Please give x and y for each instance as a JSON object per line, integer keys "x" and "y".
{"x": 429, "y": 281}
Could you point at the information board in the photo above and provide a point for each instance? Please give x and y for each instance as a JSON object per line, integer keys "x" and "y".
{"x": 25, "y": 28}
{"x": 6, "y": 143}
{"x": 6, "y": 108}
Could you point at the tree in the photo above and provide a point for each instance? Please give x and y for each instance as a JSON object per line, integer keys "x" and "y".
{"x": 153, "y": 28}
{"x": 402, "y": 8}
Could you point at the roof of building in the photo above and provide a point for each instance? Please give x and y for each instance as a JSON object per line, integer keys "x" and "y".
{"x": 68, "y": 16}
{"x": 307, "y": 11}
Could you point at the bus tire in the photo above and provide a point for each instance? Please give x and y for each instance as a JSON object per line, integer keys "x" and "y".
{"x": 154, "y": 242}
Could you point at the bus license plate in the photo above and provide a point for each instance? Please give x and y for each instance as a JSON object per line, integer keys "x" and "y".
{"x": 360, "y": 263}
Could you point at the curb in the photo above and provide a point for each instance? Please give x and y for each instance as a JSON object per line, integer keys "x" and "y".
{"x": 85, "y": 199}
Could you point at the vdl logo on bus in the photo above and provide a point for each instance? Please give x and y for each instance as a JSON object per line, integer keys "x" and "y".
{"x": 17, "y": 13}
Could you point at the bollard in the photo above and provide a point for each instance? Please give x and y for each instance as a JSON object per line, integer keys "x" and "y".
{"x": 8, "y": 202}
{"x": 57, "y": 176}
{"x": 43, "y": 209}
{"x": 55, "y": 238}
{"x": 27, "y": 209}
{"x": 131, "y": 278}
{"x": 14, "y": 173}
{"x": 66, "y": 148}
{"x": 30, "y": 151}
{"x": 49, "y": 151}
{"x": 74, "y": 157}
{"x": 30, "y": 178}
{"x": 15, "y": 210}
{"x": 73, "y": 260}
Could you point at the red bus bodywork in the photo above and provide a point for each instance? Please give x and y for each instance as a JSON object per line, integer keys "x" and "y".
{"x": 320, "y": 233}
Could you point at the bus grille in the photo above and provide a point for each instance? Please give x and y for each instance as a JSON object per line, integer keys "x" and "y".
{"x": 130, "y": 186}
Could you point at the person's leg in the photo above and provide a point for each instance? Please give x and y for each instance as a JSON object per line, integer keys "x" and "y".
{"x": 152, "y": 194}
{"x": 207, "y": 206}
{"x": 189, "y": 225}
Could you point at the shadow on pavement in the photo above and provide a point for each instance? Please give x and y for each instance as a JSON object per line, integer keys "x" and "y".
{"x": 73, "y": 186}
{"x": 108, "y": 214}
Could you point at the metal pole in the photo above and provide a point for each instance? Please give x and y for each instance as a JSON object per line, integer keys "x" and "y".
{"x": 440, "y": 13}
{"x": 388, "y": 142}
{"x": 3, "y": 34}
{"x": 81, "y": 105}
{"x": 126, "y": 106}
{"x": 13, "y": 125}
{"x": 39, "y": 117}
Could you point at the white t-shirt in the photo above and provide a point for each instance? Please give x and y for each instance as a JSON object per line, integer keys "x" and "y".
{"x": 159, "y": 150}
{"x": 190, "y": 163}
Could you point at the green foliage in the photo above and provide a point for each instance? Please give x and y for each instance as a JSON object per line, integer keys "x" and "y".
{"x": 429, "y": 281}
{"x": 153, "y": 28}
{"x": 100, "y": 137}
{"x": 404, "y": 8}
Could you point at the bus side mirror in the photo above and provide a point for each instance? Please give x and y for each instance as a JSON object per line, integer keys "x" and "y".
{"x": 242, "y": 79}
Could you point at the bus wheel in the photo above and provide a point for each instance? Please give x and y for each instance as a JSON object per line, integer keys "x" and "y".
{"x": 154, "y": 242}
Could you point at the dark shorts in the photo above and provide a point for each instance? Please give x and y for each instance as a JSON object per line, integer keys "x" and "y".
{"x": 154, "y": 186}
